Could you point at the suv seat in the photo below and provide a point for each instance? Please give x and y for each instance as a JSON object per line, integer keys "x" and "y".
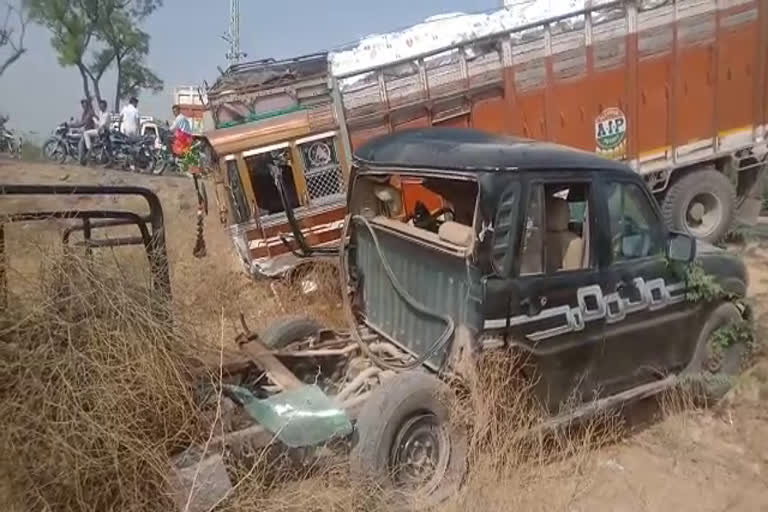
{"x": 564, "y": 248}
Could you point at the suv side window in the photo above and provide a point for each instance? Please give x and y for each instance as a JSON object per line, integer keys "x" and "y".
{"x": 635, "y": 229}
{"x": 556, "y": 236}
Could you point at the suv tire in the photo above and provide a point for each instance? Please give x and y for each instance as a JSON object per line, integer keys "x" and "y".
{"x": 715, "y": 381}
{"x": 289, "y": 330}
{"x": 705, "y": 196}
{"x": 407, "y": 418}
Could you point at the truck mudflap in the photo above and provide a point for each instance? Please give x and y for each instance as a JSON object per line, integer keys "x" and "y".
{"x": 750, "y": 200}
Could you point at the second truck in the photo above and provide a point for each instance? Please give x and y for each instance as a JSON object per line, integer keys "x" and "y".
{"x": 677, "y": 89}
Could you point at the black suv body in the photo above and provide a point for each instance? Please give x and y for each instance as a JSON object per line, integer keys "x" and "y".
{"x": 556, "y": 251}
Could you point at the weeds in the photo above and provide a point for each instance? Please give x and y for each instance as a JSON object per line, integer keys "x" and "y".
{"x": 95, "y": 395}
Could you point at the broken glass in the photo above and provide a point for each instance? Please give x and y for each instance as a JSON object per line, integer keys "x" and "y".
{"x": 300, "y": 417}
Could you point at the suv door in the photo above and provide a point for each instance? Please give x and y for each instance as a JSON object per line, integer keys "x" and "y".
{"x": 649, "y": 328}
{"x": 552, "y": 304}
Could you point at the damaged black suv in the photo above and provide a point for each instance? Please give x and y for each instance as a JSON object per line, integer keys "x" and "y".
{"x": 458, "y": 243}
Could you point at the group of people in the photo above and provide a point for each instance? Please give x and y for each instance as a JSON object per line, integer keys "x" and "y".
{"x": 95, "y": 121}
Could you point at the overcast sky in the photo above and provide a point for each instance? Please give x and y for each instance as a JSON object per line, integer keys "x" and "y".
{"x": 186, "y": 47}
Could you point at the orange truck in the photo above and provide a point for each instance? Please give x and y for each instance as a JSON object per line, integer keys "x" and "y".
{"x": 676, "y": 88}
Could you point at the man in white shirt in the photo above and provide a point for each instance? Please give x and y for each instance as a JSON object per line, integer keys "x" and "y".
{"x": 129, "y": 118}
{"x": 101, "y": 120}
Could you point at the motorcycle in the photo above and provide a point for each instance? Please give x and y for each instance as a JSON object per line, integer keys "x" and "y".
{"x": 165, "y": 159}
{"x": 99, "y": 154}
{"x": 63, "y": 143}
{"x": 9, "y": 142}
{"x": 131, "y": 153}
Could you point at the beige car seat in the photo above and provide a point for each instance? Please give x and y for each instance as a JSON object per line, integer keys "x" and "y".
{"x": 565, "y": 249}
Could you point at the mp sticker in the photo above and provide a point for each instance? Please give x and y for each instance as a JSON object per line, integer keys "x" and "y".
{"x": 611, "y": 133}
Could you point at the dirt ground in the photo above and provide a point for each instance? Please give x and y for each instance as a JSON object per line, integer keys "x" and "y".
{"x": 689, "y": 460}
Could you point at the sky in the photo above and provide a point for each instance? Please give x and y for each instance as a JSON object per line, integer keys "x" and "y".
{"x": 186, "y": 47}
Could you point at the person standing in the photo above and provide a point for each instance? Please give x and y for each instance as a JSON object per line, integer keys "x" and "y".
{"x": 181, "y": 129}
{"x": 129, "y": 118}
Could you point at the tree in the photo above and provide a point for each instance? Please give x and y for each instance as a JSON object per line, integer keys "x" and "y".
{"x": 92, "y": 35}
{"x": 134, "y": 77}
{"x": 12, "y": 37}
{"x": 71, "y": 28}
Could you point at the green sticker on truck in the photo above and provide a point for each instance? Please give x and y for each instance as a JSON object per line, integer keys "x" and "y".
{"x": 611, "y": 133}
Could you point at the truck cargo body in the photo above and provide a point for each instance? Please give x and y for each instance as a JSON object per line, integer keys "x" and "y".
{"x": 670, "y": 87}
{"x": 677, "y": 89}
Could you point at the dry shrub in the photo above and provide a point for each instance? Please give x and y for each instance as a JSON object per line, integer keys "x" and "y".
{"x": 513, "y": 461}
{"x": 95, "y": 393}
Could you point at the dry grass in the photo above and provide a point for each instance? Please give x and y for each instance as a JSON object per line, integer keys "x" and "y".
{"x": 95, "y": 393}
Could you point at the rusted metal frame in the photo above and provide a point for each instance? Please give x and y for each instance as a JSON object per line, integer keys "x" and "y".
{"x": 156, "y": 250}
{"x": 260, "y": 355}
{"x": 106, "y": 224}
{"x": 122, "y": 219}
{"x": 632, "y": 56}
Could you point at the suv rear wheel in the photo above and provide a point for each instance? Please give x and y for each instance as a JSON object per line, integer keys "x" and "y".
{"x": 405, "y": 441}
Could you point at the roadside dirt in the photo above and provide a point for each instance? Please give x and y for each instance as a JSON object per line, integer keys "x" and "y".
{"x": 674, "y": 459}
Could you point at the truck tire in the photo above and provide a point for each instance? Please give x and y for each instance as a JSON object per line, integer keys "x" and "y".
{"x": 289, "y": 330}
{"x": 405, "y": 420}
{"x": 701, "y": 203}
{"x": 714, "y": 374}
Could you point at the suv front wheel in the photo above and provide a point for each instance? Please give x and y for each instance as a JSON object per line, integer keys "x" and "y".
{"x": 716, "y": 364}
{"x": 406, "y": 442}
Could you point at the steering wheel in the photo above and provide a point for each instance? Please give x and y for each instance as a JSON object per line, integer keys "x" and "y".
{"x": 423, "y": 219}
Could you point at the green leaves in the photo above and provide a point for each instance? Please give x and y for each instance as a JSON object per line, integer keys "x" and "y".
{"x": 94, "y": 35}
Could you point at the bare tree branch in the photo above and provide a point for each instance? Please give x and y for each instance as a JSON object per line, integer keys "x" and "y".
{"x": 10, "y": 39}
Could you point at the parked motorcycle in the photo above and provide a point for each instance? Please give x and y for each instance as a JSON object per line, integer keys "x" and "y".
{"x": 9, "y": 142}
{"x": 131, "y": 153}
{"x": 99, "y": 154}
{"x": 165, "y": 159}
{"x": 63, "y": 143}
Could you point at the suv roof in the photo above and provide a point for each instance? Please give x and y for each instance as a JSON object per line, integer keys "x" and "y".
{"x": 468, "y": 150}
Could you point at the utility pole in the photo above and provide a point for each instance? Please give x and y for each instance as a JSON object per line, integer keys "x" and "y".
{"x": 233, "y": 35}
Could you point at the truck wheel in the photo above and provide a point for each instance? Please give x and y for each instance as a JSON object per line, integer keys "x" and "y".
{"x": 701, "y": 203}
{"x": 289, "y": 330}
{"x": 715, "y": 368}
{"x": 405, "y": 441}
